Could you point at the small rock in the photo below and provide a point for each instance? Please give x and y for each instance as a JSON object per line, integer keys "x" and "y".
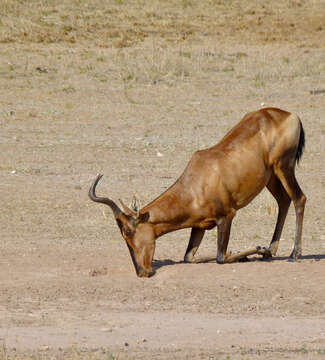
{"x": 44, "y": 348}
{"x": 106, "y": 330}
{"x": 41, "y": 70}
{"x": 98, "y": 272}
{"x": 9, "y": 112}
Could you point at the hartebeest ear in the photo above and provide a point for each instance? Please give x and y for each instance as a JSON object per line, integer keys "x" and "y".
{"x": 127, "y": 210}
{"x": 135, "y": 215}
{"x": 142, "y": 218}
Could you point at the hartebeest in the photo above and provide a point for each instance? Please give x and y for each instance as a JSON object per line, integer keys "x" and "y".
{"x": 261, "y": 150}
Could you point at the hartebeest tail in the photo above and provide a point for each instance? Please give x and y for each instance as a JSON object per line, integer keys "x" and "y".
{"x": 260, "y": 151}
{"x": 301, "y": 143}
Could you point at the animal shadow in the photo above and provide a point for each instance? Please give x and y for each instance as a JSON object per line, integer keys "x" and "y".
{"x": 157, "y": 264}
{"x": 316, "y": 257}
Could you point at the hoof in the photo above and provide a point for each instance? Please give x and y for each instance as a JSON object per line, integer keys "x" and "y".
{"x": 145, "y": 273}
{"x": 294, "y": 256}
{"x": 191, "y": 260}
{"x": 266, "y": 253}
{"x": 267, "y": 256}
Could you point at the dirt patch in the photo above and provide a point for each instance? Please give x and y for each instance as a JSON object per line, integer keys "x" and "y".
{"x": 131, "y": 91}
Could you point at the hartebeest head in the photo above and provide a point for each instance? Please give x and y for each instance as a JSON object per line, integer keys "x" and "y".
{"x": 135, "y": 229}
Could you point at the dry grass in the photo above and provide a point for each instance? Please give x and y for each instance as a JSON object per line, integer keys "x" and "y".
{"x": 45, "y": 352}
{"x": 125, "y": 23}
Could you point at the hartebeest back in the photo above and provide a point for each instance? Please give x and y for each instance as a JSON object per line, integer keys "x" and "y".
{"x": 260, "y": 151}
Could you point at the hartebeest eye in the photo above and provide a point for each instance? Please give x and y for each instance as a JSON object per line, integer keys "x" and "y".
{"x": 127, "y": 226}
{"x": 127, "y": 232}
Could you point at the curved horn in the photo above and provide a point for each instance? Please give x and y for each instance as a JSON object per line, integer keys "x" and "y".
{"x": 92, "y": 195}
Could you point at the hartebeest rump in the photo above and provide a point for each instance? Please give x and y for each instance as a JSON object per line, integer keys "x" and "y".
{"x": 261, "y": 150}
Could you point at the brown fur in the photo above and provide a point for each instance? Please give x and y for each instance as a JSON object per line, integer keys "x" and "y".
{"x": 260, "y": 151}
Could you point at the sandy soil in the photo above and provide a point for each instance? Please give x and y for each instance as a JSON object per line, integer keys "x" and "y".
{"x": 135, "y": 110}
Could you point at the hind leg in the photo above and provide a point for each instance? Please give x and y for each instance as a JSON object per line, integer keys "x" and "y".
{"x": 278, "y": 191}
{"x": 286, "y": 175}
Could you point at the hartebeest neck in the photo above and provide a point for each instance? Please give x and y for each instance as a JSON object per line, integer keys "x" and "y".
{"x": 169, "y": 212}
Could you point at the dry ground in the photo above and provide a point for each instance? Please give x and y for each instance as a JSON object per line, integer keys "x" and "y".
{"x": 131, "y": 90}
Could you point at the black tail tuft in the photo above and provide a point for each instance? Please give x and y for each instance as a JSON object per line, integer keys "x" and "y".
{"x": 301, "y": 144}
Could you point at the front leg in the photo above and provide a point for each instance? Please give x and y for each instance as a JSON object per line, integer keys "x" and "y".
{"x": 224, "y": 226}
{"x": 194, "y": 243}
